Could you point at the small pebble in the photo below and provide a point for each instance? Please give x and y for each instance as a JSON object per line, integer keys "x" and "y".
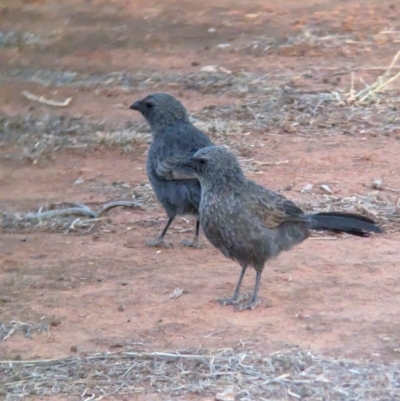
{"x": 208, "y": 68}
{"x": 377, "y": 184}
{"x": 120, "y": 308}
{"x": 307, "y": 188}
{"x": 223, "y": 45}
{"x": 326, "y": 188}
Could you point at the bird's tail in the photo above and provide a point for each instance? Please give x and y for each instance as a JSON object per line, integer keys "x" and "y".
{"x": 349, "y": 223}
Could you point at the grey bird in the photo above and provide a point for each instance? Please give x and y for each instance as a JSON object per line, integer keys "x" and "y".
{"x": 251, "y": 224}
{"x": 174, "y": 139}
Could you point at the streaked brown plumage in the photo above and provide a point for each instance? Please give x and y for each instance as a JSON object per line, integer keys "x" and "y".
{"x": 251, "y": 224}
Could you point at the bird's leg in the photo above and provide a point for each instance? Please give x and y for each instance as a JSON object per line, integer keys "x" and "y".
{"x": 254, "y": 300}
{"x": 236, "y": 295}
{"x": 195, "y": 242}
{"x": 159, "y": 241}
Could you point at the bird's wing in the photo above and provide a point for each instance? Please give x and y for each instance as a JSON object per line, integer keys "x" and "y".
{"x": 270, "y": 207}
{"x": 180, "y": 142}
{"x": 168, "y": 167}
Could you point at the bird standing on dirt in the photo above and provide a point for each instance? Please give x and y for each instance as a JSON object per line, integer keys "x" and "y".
{"x": 175, "y": 139}
{"x": 251, "y": 224}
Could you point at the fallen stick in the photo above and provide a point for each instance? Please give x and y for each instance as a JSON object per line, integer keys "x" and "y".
{"x": 81, "y": 210}
{"x": 271, "y": 163}
{"x": 49, "y": 102}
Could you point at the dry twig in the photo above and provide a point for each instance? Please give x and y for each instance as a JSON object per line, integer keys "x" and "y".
{"x": 49, "y": 102}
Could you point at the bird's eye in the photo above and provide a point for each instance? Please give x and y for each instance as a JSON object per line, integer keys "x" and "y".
{"x": 203, "y": 161}
{"x": 149, "y": 105}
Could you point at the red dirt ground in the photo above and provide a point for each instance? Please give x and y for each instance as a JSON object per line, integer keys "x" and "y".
{"x": 106, "y": 290}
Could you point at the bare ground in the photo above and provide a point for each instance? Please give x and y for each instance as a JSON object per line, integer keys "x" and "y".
{"x": 278, "y": 93}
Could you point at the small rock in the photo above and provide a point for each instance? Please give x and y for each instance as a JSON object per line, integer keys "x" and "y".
{"x": 252, "y": 15}
{"x": 326, "y": 188}
{"x": 195, "y": 63}
{"x": 377, "y": 184}
{"x": 73, "y": 348}
{"x": 223, "y": 45}
{"x": 79, "y": 181}
{"x": 211, "y": 30}
{"x": 208, "y": 68}
{"x": 120, "y": 308}
{"x": 307, "y": 188}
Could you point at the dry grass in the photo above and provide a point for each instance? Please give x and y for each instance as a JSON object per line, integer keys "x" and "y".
{"x": 144, "y": 194}
{"x": 41, "y": 136}
{"x": 245, "y": 374}
{"x": 368, "y": 94}
{"x": 14, "y": 327}
{"x": 260, "y": 103}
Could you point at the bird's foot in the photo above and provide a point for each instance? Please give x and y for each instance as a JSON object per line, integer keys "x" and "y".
{"x": 249, "y": 305}
{"x": 194, "y": 244}
{"x": 158, "y": 243}
{"x": 235, "y": 300}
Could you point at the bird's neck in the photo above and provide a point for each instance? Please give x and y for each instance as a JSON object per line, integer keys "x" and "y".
{"x": 158, "y": 127}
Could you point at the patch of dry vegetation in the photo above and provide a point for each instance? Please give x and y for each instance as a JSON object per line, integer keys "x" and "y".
{"x": 239, "y": 374}
{"x": 64, "y": 217}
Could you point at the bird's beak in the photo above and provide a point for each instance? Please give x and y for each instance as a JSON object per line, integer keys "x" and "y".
{"x": 191, "y": 163}
{"x": 136, "y": 105}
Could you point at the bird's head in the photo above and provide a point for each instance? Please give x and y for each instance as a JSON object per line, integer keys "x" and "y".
{"x": 215, "y": 165}
{"x": 160, "y": 110}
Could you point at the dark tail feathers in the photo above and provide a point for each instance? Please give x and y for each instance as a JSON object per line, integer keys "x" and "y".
{"x": 349, "y": 223}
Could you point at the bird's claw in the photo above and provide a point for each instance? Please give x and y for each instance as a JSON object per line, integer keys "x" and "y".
{"x": 249, "y": 305}
{"x": 228, "y": 301}
{"x": 158, "y": 243}
{"x": 194, "y": 244}
{"x": 235, "y": 300}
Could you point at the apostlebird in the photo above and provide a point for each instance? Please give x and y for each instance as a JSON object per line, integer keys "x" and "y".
{"x": 251, "y": 224}
{"x": 174, "y": 139}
